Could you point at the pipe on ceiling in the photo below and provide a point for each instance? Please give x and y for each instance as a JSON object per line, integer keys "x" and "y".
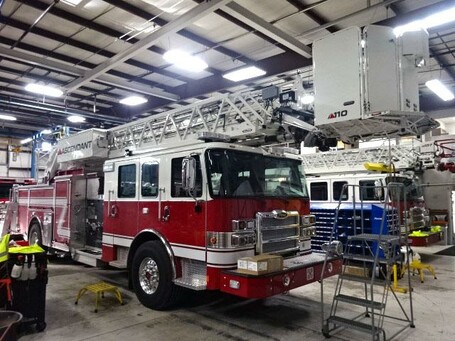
{"x": 59, "y": 110}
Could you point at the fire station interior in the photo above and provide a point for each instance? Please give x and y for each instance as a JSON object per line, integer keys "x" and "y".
{"x": 227, "y": 169}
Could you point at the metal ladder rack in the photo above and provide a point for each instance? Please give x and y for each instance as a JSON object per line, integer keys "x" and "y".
{"x": 379, "y": 253}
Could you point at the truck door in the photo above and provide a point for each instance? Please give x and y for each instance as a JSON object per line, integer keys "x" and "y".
{"x": 62, "y": 211}
{"x": 123, "y": 206}
{"x": 183, "y": 217}
{"x": 149, "y": 195}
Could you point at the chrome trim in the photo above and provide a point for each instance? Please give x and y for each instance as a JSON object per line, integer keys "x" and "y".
{"x": 277, "y": 227}
{"x": 225, "y": 240}
{"x": 237, "y": 222}
{"x": 167, "y": 246}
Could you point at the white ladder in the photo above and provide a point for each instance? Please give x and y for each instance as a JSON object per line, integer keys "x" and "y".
{"x": 241, "y": 116}
{"x": 352, "y": 160}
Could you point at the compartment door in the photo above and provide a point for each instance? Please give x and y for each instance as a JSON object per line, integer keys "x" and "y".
{"x": 62, "y": 209}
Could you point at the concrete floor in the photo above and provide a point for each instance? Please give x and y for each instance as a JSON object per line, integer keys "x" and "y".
{"x": 215, "y": 316}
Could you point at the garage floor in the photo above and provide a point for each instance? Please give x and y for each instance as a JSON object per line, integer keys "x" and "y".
{"x": 215, "y": 316}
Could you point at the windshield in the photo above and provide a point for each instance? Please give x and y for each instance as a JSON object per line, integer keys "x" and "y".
{"x": 234, "y": 173}
{"x": 412, "y": 187}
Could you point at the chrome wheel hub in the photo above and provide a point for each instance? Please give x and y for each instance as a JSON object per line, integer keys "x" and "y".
{"x": 149, "y": 275}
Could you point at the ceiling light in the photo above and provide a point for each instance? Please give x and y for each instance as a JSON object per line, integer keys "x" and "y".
{"x": 76, "y": 119}
{"x": 433, "y": 20}
{"x": 46, "y": 132}
{"x": 44, "y": 90}
{"x": 185, "y": 61}
{"x": 27, "y": 140}
{"x": 7, "y": 118}
{"x": 133, "y": 100}
{"x": 440, "y": 89}
{"x": 245, "y": 73}
{"x": 73, "y": 3}
{"x": 307, "y": 99}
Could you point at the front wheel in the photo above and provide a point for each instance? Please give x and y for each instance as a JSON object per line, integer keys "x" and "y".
{"x": 152, "y": 277}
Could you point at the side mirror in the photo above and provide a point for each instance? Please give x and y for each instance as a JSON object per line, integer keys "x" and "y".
{"x": 189, "y": 173}
{"x": 378, "y": 189}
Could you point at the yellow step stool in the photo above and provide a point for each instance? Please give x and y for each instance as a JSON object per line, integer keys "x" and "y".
{"x": 417, "y": 265}
{"x": 99, "y": 289}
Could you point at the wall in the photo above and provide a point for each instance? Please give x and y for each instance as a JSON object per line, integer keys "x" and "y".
{"x": 15, "y": 159}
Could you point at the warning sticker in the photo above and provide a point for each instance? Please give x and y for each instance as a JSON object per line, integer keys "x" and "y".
{"x": 309, "y": 274}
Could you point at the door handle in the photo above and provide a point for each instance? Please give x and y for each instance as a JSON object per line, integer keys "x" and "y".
{"x": 166, "y": 213}
{"x": 114, "y": 210}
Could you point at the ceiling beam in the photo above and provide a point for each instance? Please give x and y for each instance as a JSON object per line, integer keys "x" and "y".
{"x": 437, "y": 58}
{"x": 58, "y": 109}
{"x": 174, "y": 26}
{"x": 79, "y": 72}
{"x": 310, "y": 13}
{"x": 130, "y": 8}
{"x": 71, "y": 17}
{"x": 416, "y": 14}
{"x": 273, "y": 65}
{"x": 334, "y": 22}
{"x": 90, "y": 48}
{"x": 263, "y": 26}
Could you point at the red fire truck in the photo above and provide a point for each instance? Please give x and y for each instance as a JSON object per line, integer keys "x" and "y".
{"x": 177, "y": 198}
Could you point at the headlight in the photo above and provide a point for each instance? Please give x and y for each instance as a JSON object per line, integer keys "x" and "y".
{"x": 243, "y": 239}
{"x": 308, "y": 220}
{"x": 243, "y": 225}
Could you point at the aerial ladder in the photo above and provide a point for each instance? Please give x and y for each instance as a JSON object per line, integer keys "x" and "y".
{"x": 241, "y": 118}
{"x": 382, "y": 159}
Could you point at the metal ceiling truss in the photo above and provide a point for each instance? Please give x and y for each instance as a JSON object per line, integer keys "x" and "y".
{"x": 296, "y": 54}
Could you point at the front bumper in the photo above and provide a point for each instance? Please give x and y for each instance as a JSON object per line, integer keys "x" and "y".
{"x": 297, "y": 271}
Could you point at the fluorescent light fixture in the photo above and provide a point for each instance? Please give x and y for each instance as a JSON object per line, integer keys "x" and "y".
{"x": 185, "y": 61}
{"x": 133, "y": 100}
{"x": 307, "y": 99}
{"x": 7, "y": 117}
{"x": 245, "y": 73}
{"x": 44, "y": 90}
{"x": 27, "y": 140}
{"x": 440, "y": 89}
{"x": 73, "y": 3}
{"x": 433, "y": 20}
{"x": 76, "y": 119}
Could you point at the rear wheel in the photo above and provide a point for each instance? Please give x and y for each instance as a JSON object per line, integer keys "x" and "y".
{"x": 152, "y": 277}
{"x": 34, "y": 235}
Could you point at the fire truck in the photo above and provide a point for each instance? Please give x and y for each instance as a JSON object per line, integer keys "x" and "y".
{"x": 177, "y": 199}
{"x": 361, "y": 176}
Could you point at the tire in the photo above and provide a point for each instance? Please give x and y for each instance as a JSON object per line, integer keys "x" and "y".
{"x": 34, "y": 235}
{"x": 152, "y": 277}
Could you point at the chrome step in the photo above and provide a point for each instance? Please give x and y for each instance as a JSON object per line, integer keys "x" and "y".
{"x": 363, "y": 327}
{"x": 375, "y": 237}
{"x": 195, "y": 282}
{"x": 119, "y": 264}
{"x": 88, "y": 257}
{"x": 360, "y": 279}
{"x": 359, "y": 301}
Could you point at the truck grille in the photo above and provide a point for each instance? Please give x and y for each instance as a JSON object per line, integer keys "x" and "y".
{"x": 278, "y": 232}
